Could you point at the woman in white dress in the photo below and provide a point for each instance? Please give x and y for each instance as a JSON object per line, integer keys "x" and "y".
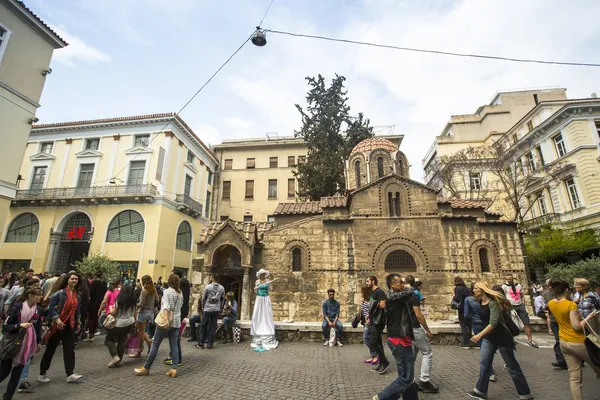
{"x": 262, "y": 329}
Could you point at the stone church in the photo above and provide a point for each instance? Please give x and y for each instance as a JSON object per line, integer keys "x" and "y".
{"x": 386, "y": 223}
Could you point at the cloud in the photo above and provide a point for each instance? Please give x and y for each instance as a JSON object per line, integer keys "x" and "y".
{"x": 78, "y": 51}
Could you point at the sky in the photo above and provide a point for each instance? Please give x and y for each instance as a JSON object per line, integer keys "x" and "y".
{"x": 132, "y": 57}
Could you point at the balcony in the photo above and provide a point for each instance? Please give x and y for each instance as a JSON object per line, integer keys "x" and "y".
{"x": 538, "y": 222}
{"x": 112, "y": 194}
{"x": 188, "y": 206}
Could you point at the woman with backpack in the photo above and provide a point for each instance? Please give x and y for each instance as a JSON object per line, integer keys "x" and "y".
{"x": 495, "y": 336}
{"x": 23, "y": 315}
{"x": 124, "y": 313}
{"x": 461, "y": 292}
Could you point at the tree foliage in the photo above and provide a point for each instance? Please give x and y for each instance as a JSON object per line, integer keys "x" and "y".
{"x": 330, "y": 134}
{"x": 588, "y": 269}
{"x": 98, "y": 262}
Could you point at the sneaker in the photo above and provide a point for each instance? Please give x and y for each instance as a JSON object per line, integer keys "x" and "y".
{"x": 474, "y": 395}
{"x": 199, "y": 346}
{"x": 534, "y": 345}
{"x": 326, "y": 343}
{"x": 384, "y": 368}
{"x": 339, "y": 344}
{"x": 43, "y": 379}
{"x": 170, "y": 362}
{"x": 492, "y": 378}
{"x": 466, "y": 347}
{"x": 98, "y": 333}
{"x": 377, "y": 368}
{"x": 73, "y": 378}
{"x": 26, "y": 387}
{"x": 113, "y": 363}
{"x": 192, "y": 340}
{"x": 558, "y": 366}
{"x": 428, "y": 387}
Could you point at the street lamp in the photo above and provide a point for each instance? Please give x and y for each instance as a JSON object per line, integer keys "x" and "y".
{"x": 259, "y": 37}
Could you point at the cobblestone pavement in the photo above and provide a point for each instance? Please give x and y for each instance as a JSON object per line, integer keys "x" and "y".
{"x": 293, "y": 371}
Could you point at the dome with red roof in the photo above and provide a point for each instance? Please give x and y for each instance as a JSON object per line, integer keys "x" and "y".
{"x": 368, "y": 145}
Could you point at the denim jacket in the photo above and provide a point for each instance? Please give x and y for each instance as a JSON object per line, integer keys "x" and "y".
{"x": 472, "y": 308}
{"x": 57, "y": 302}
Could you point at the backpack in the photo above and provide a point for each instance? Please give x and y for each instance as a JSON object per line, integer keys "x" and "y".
{"x": 509, "y": 323}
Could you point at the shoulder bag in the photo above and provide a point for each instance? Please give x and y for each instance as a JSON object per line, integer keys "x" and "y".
{"x": 509, "y": 322}
{"x": 11, "y": 344}
{"x": 161, "y": 321}
{"x": 592, "y": 345}
{"x": 455, "y": 305}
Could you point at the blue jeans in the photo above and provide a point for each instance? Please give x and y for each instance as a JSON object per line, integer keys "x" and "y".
{"x": 228, "y": 322}
{"x": 25, "y": 373}
{"x": 367, "y": 340}
{"x": 194, "y": 325}
{"x": 403, "y": 384}
{"x": 486, "y": 357}
{"x": 476, "y": 330}
{"x": 159, "y": 335}
{"x": 339, "y": 329}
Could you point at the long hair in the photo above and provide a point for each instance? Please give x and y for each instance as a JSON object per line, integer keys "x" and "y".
{"x": 85, "y": 290}
{"x": 57, "y": 284}
{"x": 33, "y": 290}
{"x": 65, "y": 281}
{"x": 174, "y": 282}
{"x": 151, "y": 289}
{"x": 126, "y": 298}
{"x": 458, "y": 281}
{"x": 559, "y": 287}
{"x": 494, "y": 295}
{"x": 366, "y": 292}
{"x": 115, "y": 284}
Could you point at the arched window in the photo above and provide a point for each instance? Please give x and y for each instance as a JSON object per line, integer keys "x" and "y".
{"x": 380, "y": 167}
{"x": 400, "y": 260}
{"x": 400, "y": 168}
{"x": 297, "y": 259}
{"x": 391, "y": 206}
{"x": 127, "y": 226}
{"x": 484, "y": 260}
{"x": 397, "y": 204}
{"x": 24, "y": 229}
{"x": 357, "y": 173}
{"x": 184, "y": 237}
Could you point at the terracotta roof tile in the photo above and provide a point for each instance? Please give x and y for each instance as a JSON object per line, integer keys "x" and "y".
{"x": 246, "y": 229}
{"x": 34, "y": 15}
{"x": 460, "y": 203}
{"x": 368, "y": 145}
{"x": 334, "y": 202}
{"x": 307, "y": 207}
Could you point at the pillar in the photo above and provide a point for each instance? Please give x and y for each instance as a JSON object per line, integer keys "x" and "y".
{"x": 53, "y": 253}
{"x": 246, "y": 295}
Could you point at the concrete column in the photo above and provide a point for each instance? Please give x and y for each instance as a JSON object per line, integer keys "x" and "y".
{"x": 246, "y": 295}
{"x": 53, "y": 253}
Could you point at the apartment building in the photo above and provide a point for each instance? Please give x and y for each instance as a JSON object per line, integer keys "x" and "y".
{"x": 137, "y": 188}
{"x": 26, "y": 48}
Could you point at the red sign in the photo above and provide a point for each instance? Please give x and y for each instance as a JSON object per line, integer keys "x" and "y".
{"x": 76, "y": 233}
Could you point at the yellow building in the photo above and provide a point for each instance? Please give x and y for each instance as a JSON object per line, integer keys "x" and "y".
{"x": 137, "y": 188}
{"x": 26, "y": 47}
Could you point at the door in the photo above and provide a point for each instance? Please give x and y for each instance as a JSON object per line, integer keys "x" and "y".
{"x": 86, "y": 172}
{"x": 188, "y": 186}
{"x": 136, "y": 176}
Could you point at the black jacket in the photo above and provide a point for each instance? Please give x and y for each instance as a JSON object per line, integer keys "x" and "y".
{"x": 184, "y": 285}
{"x": 397, "y": 311}
{"x": 97, "y": 292}
{"x": 13, "y": 321}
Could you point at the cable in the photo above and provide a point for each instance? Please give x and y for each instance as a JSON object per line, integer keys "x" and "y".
{"x": 184, "y": 106}
{"x": 439, "y": 52}
{"x": 266, "y": 12}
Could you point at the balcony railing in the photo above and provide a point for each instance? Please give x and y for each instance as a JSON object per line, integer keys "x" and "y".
{"x": 188, "y": 205}
{"x": 540, "y": 221}
{"x": 107, "y": 194}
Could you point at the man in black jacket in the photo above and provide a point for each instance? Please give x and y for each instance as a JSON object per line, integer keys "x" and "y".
{"x": 97, "y": 291}
{"x": 399, "y": 339}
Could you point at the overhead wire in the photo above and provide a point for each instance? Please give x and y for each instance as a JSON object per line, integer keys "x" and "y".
{"x": 266, "y": 12}
{"x": 431, "y": 51}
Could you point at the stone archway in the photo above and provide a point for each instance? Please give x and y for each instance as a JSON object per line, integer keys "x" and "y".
{"x": 227, "y": 262}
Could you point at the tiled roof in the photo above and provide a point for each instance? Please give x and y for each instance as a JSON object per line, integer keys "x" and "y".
{"x": 334, "y": 202}
{"x": 460, "y": 203}
{"x": 245, "y": 229}
{"x": 34, "y": 15}
{"x": 125, "y": 119}
{"x": 368, "y": 145}
{"x": 306, "y": 207}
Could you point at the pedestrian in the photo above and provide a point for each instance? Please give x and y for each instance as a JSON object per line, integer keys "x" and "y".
{"x": 97, "y": 290}
{"x": 472, "y": 314}
{"x": 228, "y": 315}
{"x": 572, "y": 335}
{"x": 400, "y": 338}
{"x": 64, "y": 316}
{"x": 421, "y": 337}
{"x": 495, "y": 336}
{"x": 184, "y": 284}
{"x": 84, "y": 307}
{"x": 262, "y": 327}
{"x": 364, "y": 311}
{"x": 172, "y": 302}
{"x": 25, "y": 314}
{"x": 377, "y": 323}
{"x": 145, "y": 310}
{"x": 588, "y": 301}
{"x": 331, "y": 318}
{"x": 514, "y": 293}
{"x": 560, "y": 358}
{"x": 213, "y": 300}
{"x": 109, "y": 300}
{"x": 124, "y": 313}
{"x": 461, "y": 292}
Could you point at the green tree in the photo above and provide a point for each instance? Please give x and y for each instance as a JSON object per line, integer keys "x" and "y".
{"x": 588, "y": 269}
{"x": 327, "y": 114}
{"x": 98, "y": 262}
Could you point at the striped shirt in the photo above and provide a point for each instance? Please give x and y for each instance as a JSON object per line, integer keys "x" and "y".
{"x": 364, "y": 308}
{"x": 173, "y": 302}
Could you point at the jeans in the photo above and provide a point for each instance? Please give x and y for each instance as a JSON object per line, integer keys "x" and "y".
{"x": 403, "y": 384}
{"x": 486, "y": 357}
{"x": 194, "y": 320}
{"x": 421, "y": 343}
{"x": 159, "y": 335}
{"x": 377, "y": 343}
{"x": 68, "y": 337}
{"x": 25, "y": 373}
{"x": 476, "y": 330}
{"x": 367, "y": 340}
{"x": 228, "y": 322}
{"x": 208, "y": 327}
{"x": 574, "y": 354}
{"x": 7, "y": 369}
{"x": 465, "y": 329}
{"x": 339, "y": 329}
{"x": 560, "y": 359}
{"x": 115, "y": 340}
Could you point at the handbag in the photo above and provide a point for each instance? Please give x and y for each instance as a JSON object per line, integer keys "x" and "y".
{"x": 109, "y": 322}
{"x": 592, "y": 345}
{"x": 517, "y": 321}
{"x": 161, "y": 321}
{"x": 510, "y": 323}
{"x": 11, "y": 344}
{"x": 132, "y": 346}
{"x": 357, "y": 320}
{"x": 332, "y": 338}
{"x": 455, "y": 305}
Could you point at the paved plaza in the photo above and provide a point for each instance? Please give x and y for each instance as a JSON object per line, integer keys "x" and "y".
{"x": 293, "y": 371}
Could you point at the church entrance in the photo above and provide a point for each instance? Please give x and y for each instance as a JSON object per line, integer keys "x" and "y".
{"x": 227, "y": 262}
{"x": 74, "y": 242}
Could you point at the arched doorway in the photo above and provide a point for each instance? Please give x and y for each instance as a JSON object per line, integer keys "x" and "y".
{"x": 75, "y": 235}
{"x": 227, "y": 262}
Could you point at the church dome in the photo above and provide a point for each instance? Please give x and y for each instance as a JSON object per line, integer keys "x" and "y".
{"x": 368, "y": 145}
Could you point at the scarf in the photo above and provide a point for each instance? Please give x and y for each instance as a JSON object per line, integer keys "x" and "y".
{"x": 29, "y": 341}
{"x": 67, "y": 315}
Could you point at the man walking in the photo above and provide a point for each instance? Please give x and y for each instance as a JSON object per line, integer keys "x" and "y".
{"x": 213, "y": 300}
{"x": 376, "y": 323}
{"x": 560, "y": 358}
{"x": 331, "y": 318}
{"x": 97, "y": 292}
{"x": 514, "y": 293}
{"x": 400, "y": 340}
{"x": 422, "y": 335}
